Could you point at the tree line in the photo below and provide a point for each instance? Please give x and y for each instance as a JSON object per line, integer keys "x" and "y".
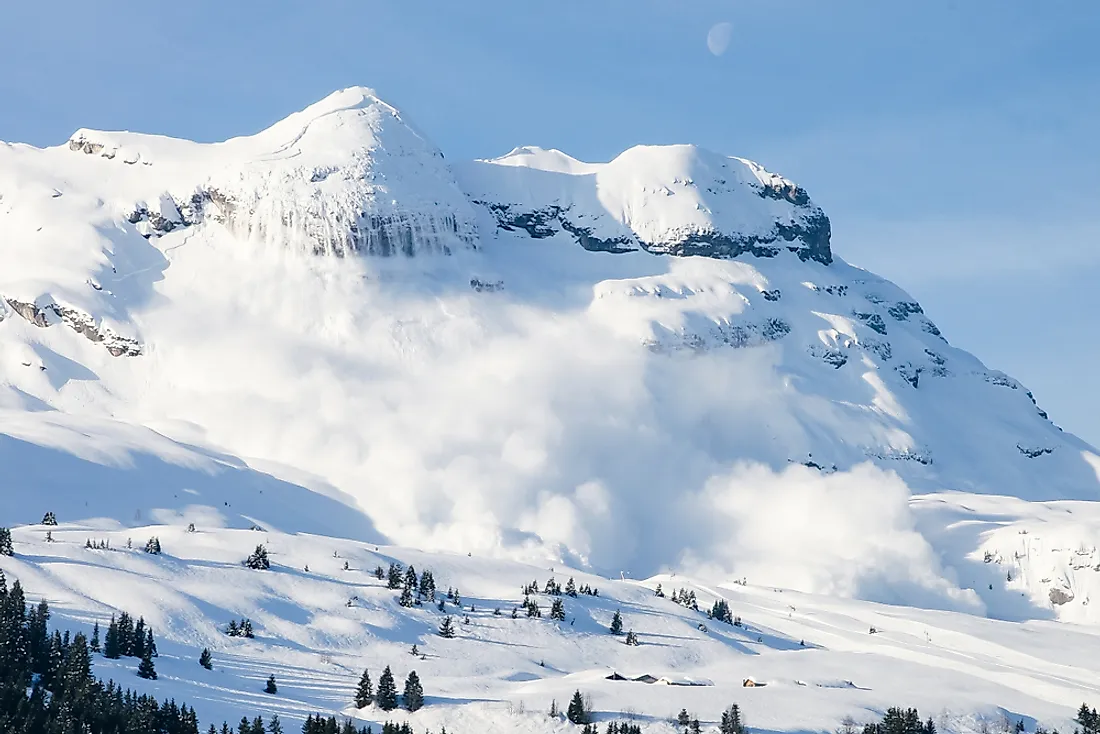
{"x": 47, "y": 686}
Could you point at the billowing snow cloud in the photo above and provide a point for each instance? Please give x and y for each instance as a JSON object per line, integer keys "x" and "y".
{"x": 646, "y": 364}
{"x": 844, "y": 534}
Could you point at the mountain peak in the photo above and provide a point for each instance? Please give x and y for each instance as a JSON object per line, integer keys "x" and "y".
{"x": 349, "y": 174}
{"x": 345, "y": 175}
{"x": 664, "y": 199}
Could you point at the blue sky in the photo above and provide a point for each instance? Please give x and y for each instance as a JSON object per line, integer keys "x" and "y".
{"x": 952, "y": 142}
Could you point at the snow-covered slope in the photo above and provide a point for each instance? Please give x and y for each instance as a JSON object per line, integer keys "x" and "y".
{"x": 654, "y": 363}
{"x": 319, "y": 624}
{"x": 675, "y": 199}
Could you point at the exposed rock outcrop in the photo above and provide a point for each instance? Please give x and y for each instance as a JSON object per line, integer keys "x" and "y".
{"x": 80, "y": 322}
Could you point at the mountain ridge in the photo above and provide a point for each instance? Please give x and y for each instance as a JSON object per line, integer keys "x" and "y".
{"x": 530, "y": 357}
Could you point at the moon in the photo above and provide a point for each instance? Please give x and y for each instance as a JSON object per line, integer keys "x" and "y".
{"x": 718, "y": 38}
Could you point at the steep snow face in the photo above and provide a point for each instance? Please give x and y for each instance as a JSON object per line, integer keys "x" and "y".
{"x": 713, "y": 390}
{"x": 345, "y": 175}
{"x": 676, "y": 199}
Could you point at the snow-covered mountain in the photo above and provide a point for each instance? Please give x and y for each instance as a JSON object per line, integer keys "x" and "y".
{"x": 649, "y": 364}
{"x": 328, "y": 339}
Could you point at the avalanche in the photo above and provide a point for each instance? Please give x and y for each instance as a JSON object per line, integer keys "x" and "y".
{"x": 649, "y": 366}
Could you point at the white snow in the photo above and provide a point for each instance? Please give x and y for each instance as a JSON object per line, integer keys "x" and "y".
{"x": 325, "y": 331}
{"x": 317, "y": 630}
{"x": 649, "y": 195}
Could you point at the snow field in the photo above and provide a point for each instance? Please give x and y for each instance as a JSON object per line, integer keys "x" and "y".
{"x": 500, "y": 674}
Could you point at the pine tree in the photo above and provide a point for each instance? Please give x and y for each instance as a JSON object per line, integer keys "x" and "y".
{"x": 137, "y": 640}
{"x": 616, "y": 624}
{"x": 271, "y": 687}
{"x": 393, "y": 577}
{"x": 577, "y": 713}
{"x": 683, "y": 718}
{"x": 205, "y": 659}
{"x": 49, "y": 519}
{"x": 406, "y": 598}
{"x": 112, "y": 645}
{"x": 6, "y": 548}
{"x": 413, "y": 699}
{"x": 387, "y": 691}
{"x": 379, "y": 573}
{"x": 364, "y": 694}
{"x": 274, "y": 726}
{"x": 150, "y": 643}
{"x": 447, "y": 628}
{"x": 146, "y": 669}
{"x": 631, "y": 638}
{"x": 258, "y": 561}
{"x": 427, "y": 586}
{"x": 571, "y": 587}
{"x": 557, "y": 610}
{"x": 901, "y": 721}
{"x": 1088, "y": 720}
{"x": 659, "y": 592}
{"x": 95, "y": 638}
{"x": 721, "y": 611}
{"x": 731, "y": 721}
{"x": 152, "y": 546}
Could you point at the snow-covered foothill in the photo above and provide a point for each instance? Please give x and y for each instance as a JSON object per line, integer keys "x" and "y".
{"x": 317, "y": 626}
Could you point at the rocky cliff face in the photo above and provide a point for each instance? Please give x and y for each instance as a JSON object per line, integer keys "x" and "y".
{"x": 675, "y": 200}
{"x": 349, "y": 175}
{"x": 84, "y": 324}
{"x": 345, "y": 176}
